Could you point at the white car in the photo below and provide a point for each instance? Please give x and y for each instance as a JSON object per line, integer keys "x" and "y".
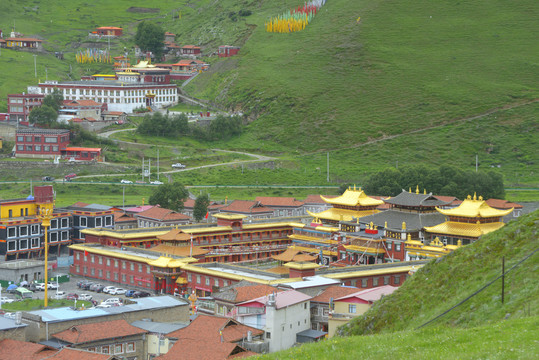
{"x": 53, "y": 286}
{"x": 6, "y": 300}
{"x": 112, "y": 301}
{"x": 178, "y": 166}
{"x": 86, "y": 297}
{"x": 156, "y": 182}
{"x": 117, "y": 291}
{"x": 103, "y": 306}
{"x": 126, "y": 182}
{"x": 106, "y": 289}
{"x": 60, "y": 295}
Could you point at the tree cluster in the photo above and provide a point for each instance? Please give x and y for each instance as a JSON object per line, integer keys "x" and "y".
{"x": 47, "y": 114}
{"x": 150, "y": 37}
{"x": 221, "y": 128}
{"x": 201, "y": 207}
{"x": 169, "y": 196}
{"x": 445, "y": 180}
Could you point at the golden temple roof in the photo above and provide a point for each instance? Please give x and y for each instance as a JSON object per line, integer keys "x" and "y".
{"x": 175, "y": 235}
{"x": 353, "y": 198}
{"x": 229, "y": 216}
{"x": 476, "y": 207}
{"x": 301, "y": 265}
{"x": 365, "y": 249}
{"x": 336, "y": 214}
{"x": 380, "y": 271}
{"x": 126, "y": 235}
{"x": 165, "y": 262}
{"x": 464, "y": 229}
{"x": 178, "y": 250}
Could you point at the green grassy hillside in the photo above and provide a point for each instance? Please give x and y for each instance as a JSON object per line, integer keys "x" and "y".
{"x": 445, "y": 282}
{"x": 511, "y": 339}
{"x": 480, "y": 328}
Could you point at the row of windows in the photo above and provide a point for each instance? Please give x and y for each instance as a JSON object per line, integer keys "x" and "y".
{"x": 35, "y": 243}
{"x": 35, "y": 229}
{"x": 37, "y": 139}
{"x": 37, "y": 148}
{"x": 109, "y": 261}
{"x": 118, "y": 93}
{"x": 99, "y": 221}
{"x": 207, "y": 281}
{"x": 114, "y": 349}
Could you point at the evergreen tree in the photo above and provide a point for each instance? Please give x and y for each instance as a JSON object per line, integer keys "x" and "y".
{"x": 43, "y": 116}
{"x": 150, "y": 37}
{"x": 55, "y": 99}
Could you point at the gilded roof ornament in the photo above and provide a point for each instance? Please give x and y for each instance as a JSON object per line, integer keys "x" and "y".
{"x": 469, "y": 197}
{"x": 417, "y": 189}
{"x": 424, "y": 191}
{"x": 474, "y": 196}
{"x": 480, "y": 198}
{"x": 403, "y": 225}
{"x": 410, "y": 189}
{"x": 459, "y": 242}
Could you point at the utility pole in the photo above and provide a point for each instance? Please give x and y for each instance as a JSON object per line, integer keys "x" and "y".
{"x": 503, "y": 278}
{"x": 476, "y": 162}
{"x": 328, "y": 168}
{"x": 35, "y": 66}
{"x": 157, "y": 163}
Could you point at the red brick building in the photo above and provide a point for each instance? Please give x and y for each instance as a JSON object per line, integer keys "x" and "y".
{"x": 228, "y": 51}
{"x": 20, "y": 105}
{"x": 41, "y": 143}
{"x": 190, "y": 50}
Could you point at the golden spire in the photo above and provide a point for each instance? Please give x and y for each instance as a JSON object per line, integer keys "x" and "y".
{"x": 354, "y": 187}
{"x": 409, "y": 237}
{"x": 459, "y": 242}
{"x": 226, "y": 200}
{"x": 385, "y": 225}
{"x": 469, "y": 197}
{"x": 424, "y": 191}
{"x": 403, "y": 225}
{"x": 480, "y": 198}
{"x": 142, "y": 201}
{"x": 357, "y": 220}
{"x": 417, "y": 189}
{"x": 474, "y": 196}
{"x": 410, "y": 189}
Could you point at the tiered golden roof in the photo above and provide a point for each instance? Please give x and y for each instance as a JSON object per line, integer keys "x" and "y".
{"x": 336, "y": 214}
{"x": 476, "y": 207}
{"x": 353, "y": 198}
{"x": 435, "y": 249}
{"x": 464, "y": 229}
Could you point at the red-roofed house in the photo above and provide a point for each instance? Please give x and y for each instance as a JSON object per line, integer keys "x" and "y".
{"x": 108, "y": 31}
{"x": 281, "y": 315}
{"x": 349, "y": 306}
{"x": 70, "y": 354}
{"x": 123, "y": 220}
{"x": 107, "y": 337}
{"x": 505, "y": 205}
{"x": 24, "y": 43}
{"x": 254, "y": 209}
{"x": 320, "y": 305}
{"x": 190, "y": 50}
{"x": 282, "y": 206}
{"x": 157, "y": 216}
{"x": 22, "y": 350}
{"x": 215, "y": 332}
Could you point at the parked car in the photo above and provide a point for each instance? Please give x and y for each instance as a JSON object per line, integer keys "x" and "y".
{"x": 112, "y": 301}
{"x": 156, "y": 182}
{"x": 106, "y": 289}
{"x": 86, "y": 286}
{"x": 86, "y": 297}
{"x": 70, "y": 177}
{"x": 117, "y": 291}
{"x": 80, "y": 282}
{"x": 47, "y": 178}
{"x": 40, "y": 287}
{"x": 94, "y": 287}
{"x": 126, "y": 181}
{"x": 129, "y": 293}
{"x": 72, "y": 296}
{"x": 178, "y": 166}
{"x": 60, "y": 295}
{"x": 53, "y": 286}
{"x": 139, "y": 294}
{"x": 5, "y": 300}
{"x": 102, "y": 306}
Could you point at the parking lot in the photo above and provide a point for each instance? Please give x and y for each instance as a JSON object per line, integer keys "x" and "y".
{"x": 71, "y": 287}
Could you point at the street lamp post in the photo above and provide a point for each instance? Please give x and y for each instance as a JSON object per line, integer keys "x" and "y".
{"x": 45, "y": 214}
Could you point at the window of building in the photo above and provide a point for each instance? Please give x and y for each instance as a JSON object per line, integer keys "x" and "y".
{"x": 389, "y": 245}
{"x": 92, "y": 258}
{"x": 65, "y": 222}
{"x": 130, "y": 347}
{"x": 139, "y": 267}
{"x": 92, "y": 349}
{"x": 23, "y": 244}
{"x": 65, "y": 235}
{"x": 352, "y": 308}
{"x": 108, "y": 220}
{"x": 397, "y": 279}
{"x": 55, "y": 148}
{"x": 147, "y": 269}
{"x": 225, "y": 283}
{"x": 398, "y": 247}
{"x": 78, "y": 256}
{"x": 108, "y": 262}
{"x": 35, "y": 243}
{"x": 268, "y": 335}
{"x": 115, "y": 263}
{"x": 364, "y": 283}
{"x": 85, "y": 270}
{"x": 386, "y": 280}
{"x": 77, "y": 269}
{"x": 118, "y": 349}
{"x": 54, "y": 224}
{"x": 116, "y": 276}
{"x": 20, "y": 138}
{"x": 98, "y": 221}
{"x": 216, "y": 282}
{"x": 123, "y": 278}
{"x": 92, "y": 271}
{"x": 374, "y": 281}
{"x": 12, "y": 232}
{"x": 123, "y": 264}
{"x": 46, "y": 148}
{"x": 34, "y": 229}
{"x": 132, "y": 279}
{"x": 29, "y": 148}
{"x": 198, "y": 279}
{"x": 23, "y": 231}
{"x": 132, "y": 267}
{"x": 100, "y": 272}
{"x": 100, "y": 259}
{"x": 51, "y": 140}
{"x": 53, "y": 237}
{"x": 189, "y": 278}
{"x": 108, "y": 274}
{"x": 29, "y": 139}
{"x": 37, "y": 148}
{"x": 105, "y": 349}
{"x": 83, "y": 221}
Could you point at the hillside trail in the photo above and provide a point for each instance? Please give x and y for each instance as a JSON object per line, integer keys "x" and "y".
{"x": 461, "y": 120}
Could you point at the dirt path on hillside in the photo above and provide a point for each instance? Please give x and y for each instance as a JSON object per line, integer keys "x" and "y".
{"x": 390, "y": 137}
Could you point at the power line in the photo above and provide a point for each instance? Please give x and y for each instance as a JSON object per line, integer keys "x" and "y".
{"x": 478, "y": 291}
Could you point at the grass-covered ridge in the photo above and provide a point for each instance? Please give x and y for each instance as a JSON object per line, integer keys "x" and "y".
{"x": 510, "y": 339}
{"x": 445, "y": 282}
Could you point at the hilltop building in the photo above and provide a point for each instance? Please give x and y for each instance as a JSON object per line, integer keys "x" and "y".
{"x": 468, "y": 222}
{"x": 351, "y": 204}
{"x": 228, "y": 51}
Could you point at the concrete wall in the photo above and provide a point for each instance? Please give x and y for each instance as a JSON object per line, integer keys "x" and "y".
{"x": 283, "y": 324}
{"x": 38, "y": 330}
{"x": 15, "y": 334}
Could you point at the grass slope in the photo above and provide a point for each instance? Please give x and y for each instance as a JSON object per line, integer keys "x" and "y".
{"x": 445, "y": 282}
{"x": 511, "y": 339}
{"x": 404, "y": 66}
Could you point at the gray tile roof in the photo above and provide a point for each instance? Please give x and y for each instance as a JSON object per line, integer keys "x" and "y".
{"x": 406, "y": 198}
{"x": 395, "y": 218}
